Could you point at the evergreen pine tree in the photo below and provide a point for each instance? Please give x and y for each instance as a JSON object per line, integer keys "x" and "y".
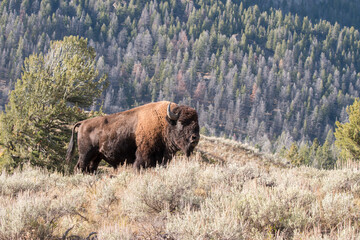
{"x": 46, "y": 100}
{"x": 348, "y": 134}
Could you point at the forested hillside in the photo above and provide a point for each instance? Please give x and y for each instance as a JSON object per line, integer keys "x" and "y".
{"x": 343, "y": 12}
{"x": 264, "y": 75}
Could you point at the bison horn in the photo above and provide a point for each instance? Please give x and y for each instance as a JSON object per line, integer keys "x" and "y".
{"x": 171, "y": 115}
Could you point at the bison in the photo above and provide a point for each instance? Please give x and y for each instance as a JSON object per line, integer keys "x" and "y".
{"x": 143, "y": 136}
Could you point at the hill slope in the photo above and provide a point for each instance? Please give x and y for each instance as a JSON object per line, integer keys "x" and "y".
{"x": 225, "y": 191}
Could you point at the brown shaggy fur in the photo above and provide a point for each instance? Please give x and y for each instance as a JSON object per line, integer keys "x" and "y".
{"x": 143, "y": 136}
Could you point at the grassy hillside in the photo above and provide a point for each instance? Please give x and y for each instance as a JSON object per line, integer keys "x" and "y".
{"x": 225, "y": 191}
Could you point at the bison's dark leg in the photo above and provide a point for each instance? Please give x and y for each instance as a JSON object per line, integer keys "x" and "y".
{"x": 112, "y": 163}
{"x": 83, "y": 163}
{"x": 160, "y": 159}
{"x": 139, "y": 163}
{"x": 142, "y": 160}
{"x": 94, "y": 163}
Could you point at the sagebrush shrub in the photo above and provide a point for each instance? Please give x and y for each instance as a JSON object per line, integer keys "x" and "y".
{"x": 28, "y": 179}
{"x": 161, "y": 191}
{"x": 35, "y": 215}
{"x": 337, "y": 209}
{"x": 216, "y": 219}
{"x": 114, "y": 232}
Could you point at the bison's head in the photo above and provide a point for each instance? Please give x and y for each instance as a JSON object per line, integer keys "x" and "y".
{"x": 183, "y": 128}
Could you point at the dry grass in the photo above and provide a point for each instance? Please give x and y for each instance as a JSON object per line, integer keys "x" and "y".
{"x": 225, "y": 191}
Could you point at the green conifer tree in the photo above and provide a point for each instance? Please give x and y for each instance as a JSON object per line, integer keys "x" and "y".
{"x": 348, "y": 134}
{"x": 293, "y": 155}
{"x": 46, "y": 100}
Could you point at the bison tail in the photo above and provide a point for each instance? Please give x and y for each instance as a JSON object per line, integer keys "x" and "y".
{"x": 70, "y": 150}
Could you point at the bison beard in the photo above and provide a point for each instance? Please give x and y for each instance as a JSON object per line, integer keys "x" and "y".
{"x": 189, "y": 150}
{"x": 144, "y": 136}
